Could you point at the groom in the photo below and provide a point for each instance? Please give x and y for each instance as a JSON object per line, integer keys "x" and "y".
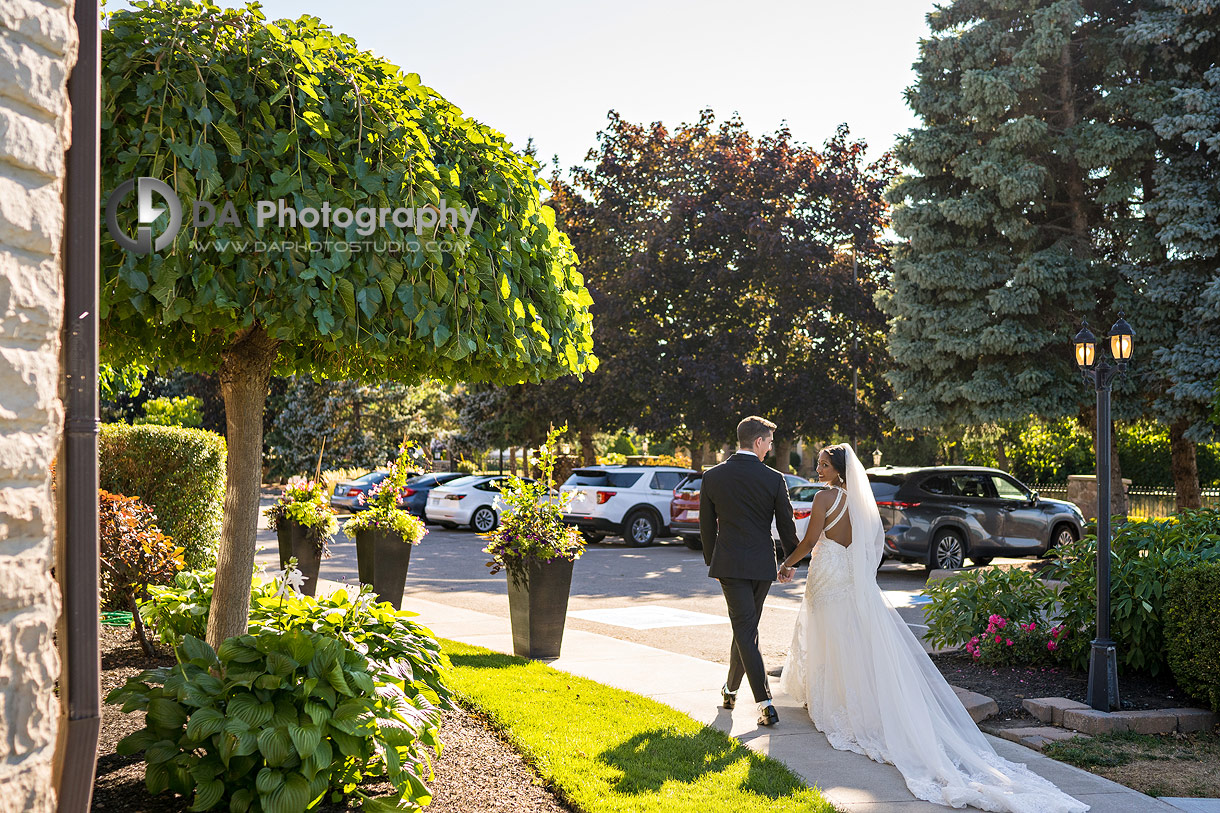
{"x": 737, "y": 501}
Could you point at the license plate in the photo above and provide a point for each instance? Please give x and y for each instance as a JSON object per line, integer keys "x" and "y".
{"x": 693, "y": 514}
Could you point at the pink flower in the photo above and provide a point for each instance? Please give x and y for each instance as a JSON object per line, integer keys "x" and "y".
{"x": 1010, "y": 642}
{"x": 1051, "y": 645}
{"x": 997, "y": 638}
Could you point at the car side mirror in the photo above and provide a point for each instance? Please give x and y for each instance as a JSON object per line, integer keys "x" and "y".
{"x": 1033, "y": 498}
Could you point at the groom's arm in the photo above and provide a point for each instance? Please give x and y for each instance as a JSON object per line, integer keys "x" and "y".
{"x": 783, "y": 519}
{"x": 707, "y": 523}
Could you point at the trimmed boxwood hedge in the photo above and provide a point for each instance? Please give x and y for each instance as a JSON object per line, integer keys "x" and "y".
{"x": 178, "y": 472}
{"x": 1192, "y": 636}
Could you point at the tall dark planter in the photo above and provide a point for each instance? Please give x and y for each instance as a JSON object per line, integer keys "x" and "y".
{"x": 382, "y": 558}
{"x": 538, "y": 607}
{"x": 293, "y": 540}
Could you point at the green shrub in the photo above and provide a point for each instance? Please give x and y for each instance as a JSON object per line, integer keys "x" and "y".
{"x": 1144, "y": 554}
{"x": 1192, "y": 636}
{"x": 181, "y": 608}
{"x": 962, "y": 604}
{"x": 178, "y": 472}
{"x": 393, "y": 643}
{"x": 272, "y": 721}
{"x": 185, "y": 411}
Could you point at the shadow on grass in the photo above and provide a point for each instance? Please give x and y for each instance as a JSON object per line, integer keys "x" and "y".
{"x": 651, "y": 758}
{"x": 489, "y": 660}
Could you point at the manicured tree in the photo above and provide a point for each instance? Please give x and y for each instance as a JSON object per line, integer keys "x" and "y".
{"x": 1180, "y": 95}
{"x": 230, "y": 108}
{"x": 1004, "y": 214}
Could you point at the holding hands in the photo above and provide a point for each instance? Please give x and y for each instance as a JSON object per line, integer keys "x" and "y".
{"x": 786, "y": 574}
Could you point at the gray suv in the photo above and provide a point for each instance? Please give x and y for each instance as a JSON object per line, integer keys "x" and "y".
{"x": 940, "y": 515}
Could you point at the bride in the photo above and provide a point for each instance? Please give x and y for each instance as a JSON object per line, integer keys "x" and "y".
{"x": 866, "y": 680}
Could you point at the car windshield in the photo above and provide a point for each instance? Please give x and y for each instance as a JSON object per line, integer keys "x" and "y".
{"x": 599, "y": 477}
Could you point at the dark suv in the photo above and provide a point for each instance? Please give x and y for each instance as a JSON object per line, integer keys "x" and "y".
{"x": 940, "y": 515}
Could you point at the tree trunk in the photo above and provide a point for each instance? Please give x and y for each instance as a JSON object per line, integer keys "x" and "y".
{"x": 783, "y": 453}
{"x": 588, "y": 454}
{"x": 1001, "y": 456}
{"x": 245, "y": 370}
{"x": 512, "y": 460}
{"x": 809, "y": 460}
{"x": 698, "y": 454}
{"x": 1185, "y": 467}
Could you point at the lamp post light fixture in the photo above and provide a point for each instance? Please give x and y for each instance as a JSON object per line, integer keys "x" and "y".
{"x": 876, "y": 457}
{"x": 1102, "y": 693}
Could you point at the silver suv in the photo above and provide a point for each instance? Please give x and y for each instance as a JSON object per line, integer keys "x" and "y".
{"x": 631, "y": 501}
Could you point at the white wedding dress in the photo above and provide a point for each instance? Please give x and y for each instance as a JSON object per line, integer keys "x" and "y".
{"x": 870, "y": 687}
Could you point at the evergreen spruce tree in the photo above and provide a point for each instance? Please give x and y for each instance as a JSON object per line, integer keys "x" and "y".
{"x": 1180, "y": 288}
{"x": 1015, "y": 170}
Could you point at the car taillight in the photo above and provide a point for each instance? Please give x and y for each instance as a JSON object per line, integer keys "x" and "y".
{"x": 407, "y": 492}
{"x": 354, "y": 492}
{"x": 455, "y": 496}
{"x": 801, "y": 513}
{"x": 897, "y": 504}
{"x": 603, "y": 496}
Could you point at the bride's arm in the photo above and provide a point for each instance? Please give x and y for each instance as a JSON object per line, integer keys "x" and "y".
{"x": 817, "y": 519}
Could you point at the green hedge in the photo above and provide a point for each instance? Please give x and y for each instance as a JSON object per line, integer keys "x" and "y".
{"x": 1192, "y": 636}
{"x": 1144, "y": 555}
{"x": 178, "y": 472}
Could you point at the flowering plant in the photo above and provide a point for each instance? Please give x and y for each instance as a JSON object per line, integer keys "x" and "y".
{"x": 383, "y": 512}
{"x": 1007, "y": 642}
{"x": 533, "y": 526}
{"x": 307, "y": 504}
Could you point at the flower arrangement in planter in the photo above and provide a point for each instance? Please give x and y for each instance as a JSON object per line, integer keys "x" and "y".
{"x": 538, "y": 550}
{"x": 304, "y": 523}
{"x": 385, "y": 533}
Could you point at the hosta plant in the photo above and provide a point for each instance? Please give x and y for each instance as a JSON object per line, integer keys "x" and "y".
{"x": 271, "y": 722}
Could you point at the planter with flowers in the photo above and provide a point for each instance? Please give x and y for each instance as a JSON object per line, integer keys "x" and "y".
{"x": 304, "y": 523}
{"x": 538, "y": 550}
{"x": 385, "y": 534}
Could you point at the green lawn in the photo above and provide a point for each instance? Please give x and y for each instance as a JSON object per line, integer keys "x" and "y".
{"x": 605, "y": 750}
{"x": 1155, "y": 764}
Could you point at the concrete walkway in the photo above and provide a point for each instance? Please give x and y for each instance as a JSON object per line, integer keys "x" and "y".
{"x": 853, "y": 783}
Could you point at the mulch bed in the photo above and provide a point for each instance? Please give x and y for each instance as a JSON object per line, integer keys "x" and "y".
{"x": 1010, "y": 685}
{"x": 477, "y": 771}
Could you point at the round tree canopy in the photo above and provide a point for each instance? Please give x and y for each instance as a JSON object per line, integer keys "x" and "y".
{"x": 327, "y": 199}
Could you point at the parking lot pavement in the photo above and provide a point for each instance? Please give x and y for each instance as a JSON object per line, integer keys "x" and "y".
{"x": 660, "y": 596}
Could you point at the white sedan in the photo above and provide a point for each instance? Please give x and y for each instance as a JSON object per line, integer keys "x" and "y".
{"x": 473, "y": 501}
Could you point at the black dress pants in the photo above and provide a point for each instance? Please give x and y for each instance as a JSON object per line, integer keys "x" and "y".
{"x": 745, "y": 599}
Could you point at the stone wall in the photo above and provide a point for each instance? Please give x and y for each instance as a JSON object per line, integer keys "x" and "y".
{"x": 37, "y": 51}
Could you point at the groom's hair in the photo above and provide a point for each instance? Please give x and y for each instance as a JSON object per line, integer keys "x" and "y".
{"x": 751, "y": 429}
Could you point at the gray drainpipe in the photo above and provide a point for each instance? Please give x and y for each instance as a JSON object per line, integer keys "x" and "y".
{"x": 80, "y": 680}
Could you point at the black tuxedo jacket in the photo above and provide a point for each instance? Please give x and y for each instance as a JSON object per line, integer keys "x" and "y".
{"x": 737, "y": 500}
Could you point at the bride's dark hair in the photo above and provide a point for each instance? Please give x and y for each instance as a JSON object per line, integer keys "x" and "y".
{"x": 838, "y": 458}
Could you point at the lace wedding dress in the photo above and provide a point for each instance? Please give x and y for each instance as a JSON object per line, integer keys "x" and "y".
{"x": 870, "y": 687}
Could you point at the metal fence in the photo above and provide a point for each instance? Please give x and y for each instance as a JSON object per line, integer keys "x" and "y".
{"x": 1146, "y": 503}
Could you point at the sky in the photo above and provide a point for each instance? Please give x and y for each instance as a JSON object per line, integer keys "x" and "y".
{"x": 551, "y": 70}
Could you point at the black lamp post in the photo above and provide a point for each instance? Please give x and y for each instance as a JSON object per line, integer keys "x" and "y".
{"x": 1103, "y": 662}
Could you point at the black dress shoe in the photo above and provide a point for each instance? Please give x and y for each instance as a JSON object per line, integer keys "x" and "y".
{"x": 768, "y": 716}
{"x": 730, "y": 698}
